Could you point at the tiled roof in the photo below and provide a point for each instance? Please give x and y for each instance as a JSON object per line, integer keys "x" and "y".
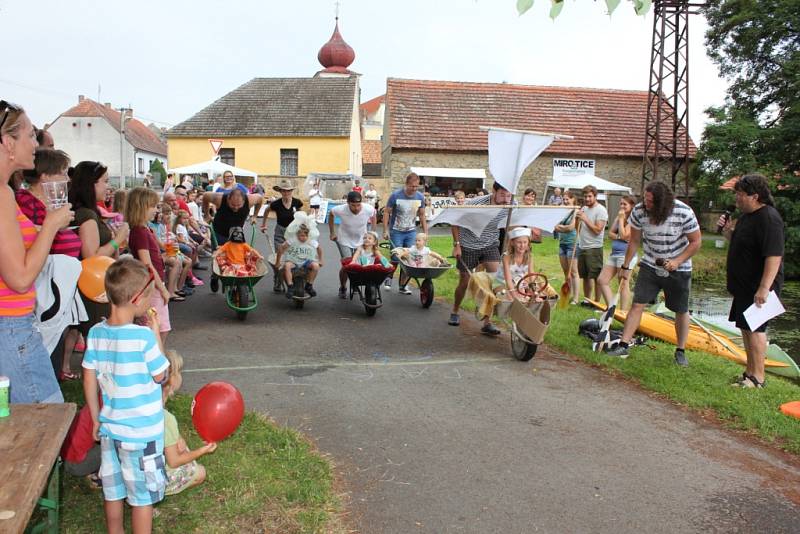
{"x": 371, "y": 106}
{"x": 277, "y": 107}
{"x": 371, "y": 151}
{"x": 439, "y": 115}
{"x": 136, "y": 133}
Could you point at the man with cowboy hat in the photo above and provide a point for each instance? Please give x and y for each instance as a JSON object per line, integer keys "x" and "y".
{"x": 284, "y": 208}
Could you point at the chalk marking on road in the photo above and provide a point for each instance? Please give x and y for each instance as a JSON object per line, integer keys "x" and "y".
{"x": 414, "y": 375}
{"x": 458, "y": 374}
{"x": 348, "y": 364}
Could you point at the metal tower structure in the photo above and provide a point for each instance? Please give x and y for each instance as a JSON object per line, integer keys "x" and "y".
{"x": 666, "y": 145}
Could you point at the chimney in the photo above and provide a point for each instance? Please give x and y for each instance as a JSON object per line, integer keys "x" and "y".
{"x": 81, "y": 98}
{"x": 108, "y": 104}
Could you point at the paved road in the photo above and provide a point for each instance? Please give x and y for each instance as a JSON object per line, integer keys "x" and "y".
{"x": 437, "y": 429}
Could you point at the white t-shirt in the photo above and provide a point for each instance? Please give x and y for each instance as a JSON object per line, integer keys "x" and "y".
{"x": 314, "y": 197}
{"x": 418, "y": 257}
{"x": 586, "y": 238}
{"x": 371, "y": 196}
{"x": 194, "y": 211}
{"x": 353, "y": 225}
{"x": 181, "y": 231}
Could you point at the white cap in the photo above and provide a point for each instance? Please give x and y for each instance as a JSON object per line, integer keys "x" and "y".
{"x": 519, "y": 231}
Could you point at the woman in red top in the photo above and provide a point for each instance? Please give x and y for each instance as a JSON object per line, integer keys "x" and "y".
{"x": 51, "y": 166}
{"x": 23, "y": 251}
{"x": 140, "y": 207}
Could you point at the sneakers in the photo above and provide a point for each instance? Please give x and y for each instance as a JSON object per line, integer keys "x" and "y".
{"x": 214, "y": 284}
{"x": 387, "y": 284}
{"x": 197, "y": 282}
{"x": 490, "y": 330}
{"x": 310, "y": 290}
{"x": 289, "y": 291}
{"x": 404, "y": 290}
{"x": 454, "y": 320}
{"x": 620, "y": 351}
{"x": 342, "y": 292}
{"x": 680, "y": 358}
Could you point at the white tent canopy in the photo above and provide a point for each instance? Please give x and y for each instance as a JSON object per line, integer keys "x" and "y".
{"x": 581, "y": 181}
{"x": 212, "y": 167}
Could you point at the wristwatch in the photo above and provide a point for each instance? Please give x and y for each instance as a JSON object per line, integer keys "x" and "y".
{"x": 456, "y": 243}
{"x": 625, "y": 268}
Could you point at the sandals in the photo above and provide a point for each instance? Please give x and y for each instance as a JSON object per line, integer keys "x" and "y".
{"x": 176, "y": 298}
{"x": 749, "y": 382}
{"x": 69, "y": 375}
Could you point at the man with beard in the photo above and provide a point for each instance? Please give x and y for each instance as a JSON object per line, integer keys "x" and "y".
{"x": 755, "y": 267}
{"x": 670, "y": 235}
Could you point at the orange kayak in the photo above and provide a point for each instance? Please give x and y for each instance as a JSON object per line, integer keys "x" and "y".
{"x": 658, "y": 327}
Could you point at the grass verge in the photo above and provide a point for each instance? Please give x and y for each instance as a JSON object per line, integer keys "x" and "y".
{"x": 261, "y": 479}
{"x": 704, "y": 386}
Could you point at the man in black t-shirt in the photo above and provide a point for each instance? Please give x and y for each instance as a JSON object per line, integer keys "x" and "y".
{"x": 755, "y": 267}
{"x": 284, "y": 208}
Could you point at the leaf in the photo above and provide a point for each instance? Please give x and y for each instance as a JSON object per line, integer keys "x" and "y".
{"x": 523, "y": 6}
{"x": 641, "y": 6}
{"x": 556, "y": 8}
{"x": 612, "y": 5}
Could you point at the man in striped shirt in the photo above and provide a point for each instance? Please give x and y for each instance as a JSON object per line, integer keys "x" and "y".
{"x": 472, "y": 250}
{"x": 670, "y": 235}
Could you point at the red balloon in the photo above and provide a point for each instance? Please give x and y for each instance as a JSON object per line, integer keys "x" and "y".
{"x": 217, "y": 410}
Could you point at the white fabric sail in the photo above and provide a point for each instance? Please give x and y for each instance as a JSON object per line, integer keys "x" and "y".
{"x": 510, "y": 153}
{"x": 475, "y": 218}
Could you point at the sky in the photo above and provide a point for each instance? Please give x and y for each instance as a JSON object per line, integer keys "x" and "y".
{"x": 169, "y": 59}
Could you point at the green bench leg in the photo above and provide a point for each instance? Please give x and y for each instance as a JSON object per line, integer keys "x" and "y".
{"x": 51, "y": 503}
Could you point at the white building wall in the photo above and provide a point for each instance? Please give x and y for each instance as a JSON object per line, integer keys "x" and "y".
{"x": 147, "y": 159}
{"x": 356, "y": 160}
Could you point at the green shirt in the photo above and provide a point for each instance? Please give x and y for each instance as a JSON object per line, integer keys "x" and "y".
{"x": 171, "y": 432}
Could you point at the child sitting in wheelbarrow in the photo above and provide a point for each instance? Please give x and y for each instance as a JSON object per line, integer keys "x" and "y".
{"x": 300, "y": 250}
{"x": 420, "y": 255}
{"x": 517, "y": 265}
{"x": 236, "y": 257}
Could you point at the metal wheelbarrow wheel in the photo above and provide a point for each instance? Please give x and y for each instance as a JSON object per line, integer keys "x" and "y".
{"x": 426, "y": 293}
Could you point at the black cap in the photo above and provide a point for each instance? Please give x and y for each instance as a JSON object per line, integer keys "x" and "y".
{"x": 354, "y": 196}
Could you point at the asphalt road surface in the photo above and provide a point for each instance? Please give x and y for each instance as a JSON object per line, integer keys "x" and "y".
{"x": 438, "y": 429}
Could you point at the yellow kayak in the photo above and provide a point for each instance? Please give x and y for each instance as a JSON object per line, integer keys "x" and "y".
{"x": 658, "y": 327}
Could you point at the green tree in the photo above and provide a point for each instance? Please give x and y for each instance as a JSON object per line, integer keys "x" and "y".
{"x": 756, "y": 44}
{"x": 158, "y": 171}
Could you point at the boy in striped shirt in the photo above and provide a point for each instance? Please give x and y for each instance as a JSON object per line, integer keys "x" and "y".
{"x": 127, "y": 363}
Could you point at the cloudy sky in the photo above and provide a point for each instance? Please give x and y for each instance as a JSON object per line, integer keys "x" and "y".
{"x": 169, "y": 59}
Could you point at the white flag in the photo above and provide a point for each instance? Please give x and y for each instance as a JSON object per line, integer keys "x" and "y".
{"x": 510, "y": 153}
{"x": 476, "y": 218}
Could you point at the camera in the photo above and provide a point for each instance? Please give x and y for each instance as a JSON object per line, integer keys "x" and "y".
{"x": 660, "y": 262}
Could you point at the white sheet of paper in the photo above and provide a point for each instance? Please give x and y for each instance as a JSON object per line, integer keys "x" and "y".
{"x": 756, "y": 316}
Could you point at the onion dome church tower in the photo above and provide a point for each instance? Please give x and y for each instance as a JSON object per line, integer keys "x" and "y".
{"x": 336, "y": 55}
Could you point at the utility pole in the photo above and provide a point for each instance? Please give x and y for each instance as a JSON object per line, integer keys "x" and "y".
{"x": 123, "y": 118}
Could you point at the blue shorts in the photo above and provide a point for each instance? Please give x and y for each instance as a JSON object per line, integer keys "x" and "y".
{"x": 565, "y": 250}
{"x": 132, "y": 471}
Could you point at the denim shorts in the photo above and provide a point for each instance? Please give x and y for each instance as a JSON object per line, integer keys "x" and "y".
{"x": 617, "y": 261}
{"x": 132, "y": 471}
{"x": 25, "y": 360}
{"x": 565, "y": 250}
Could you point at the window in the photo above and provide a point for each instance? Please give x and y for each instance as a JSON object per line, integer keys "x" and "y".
{"x": 288, "y": 162}
{"x": 140, "y": 165}
{"x": 227, "y": 156}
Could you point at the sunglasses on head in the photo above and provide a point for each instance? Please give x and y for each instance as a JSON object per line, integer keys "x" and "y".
{"x": 7, "y": 107}
{"x": 149, "y": 281}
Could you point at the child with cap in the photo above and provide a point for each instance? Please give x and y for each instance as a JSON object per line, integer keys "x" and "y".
{"x": 300, "y": 250}
{"x": 517, "y": 260}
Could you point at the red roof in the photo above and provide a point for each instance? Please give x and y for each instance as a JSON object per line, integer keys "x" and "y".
{"x": 136, "y": 132}
{"x": 371, "y": 151}
{"x": 441, "y": 115}
{"x": 729, "y": 184}
{"x": 371, "y": 106}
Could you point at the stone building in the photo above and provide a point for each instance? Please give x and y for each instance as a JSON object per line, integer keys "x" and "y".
{"x": 432, "y": 127}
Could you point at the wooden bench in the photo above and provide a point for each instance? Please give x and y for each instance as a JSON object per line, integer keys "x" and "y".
{"x": 30, "y": 442}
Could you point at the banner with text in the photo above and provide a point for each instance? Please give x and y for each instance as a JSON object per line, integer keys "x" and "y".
{"x": 572, "y": 167}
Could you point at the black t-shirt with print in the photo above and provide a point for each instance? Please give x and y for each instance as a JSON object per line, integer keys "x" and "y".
{"x": 285, "y": 216}
{"x": 756, "y": 236}
{"x": 226, "y": 218}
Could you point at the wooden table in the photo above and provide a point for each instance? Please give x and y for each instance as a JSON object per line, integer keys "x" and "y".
{"x": 30, "y": 442}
